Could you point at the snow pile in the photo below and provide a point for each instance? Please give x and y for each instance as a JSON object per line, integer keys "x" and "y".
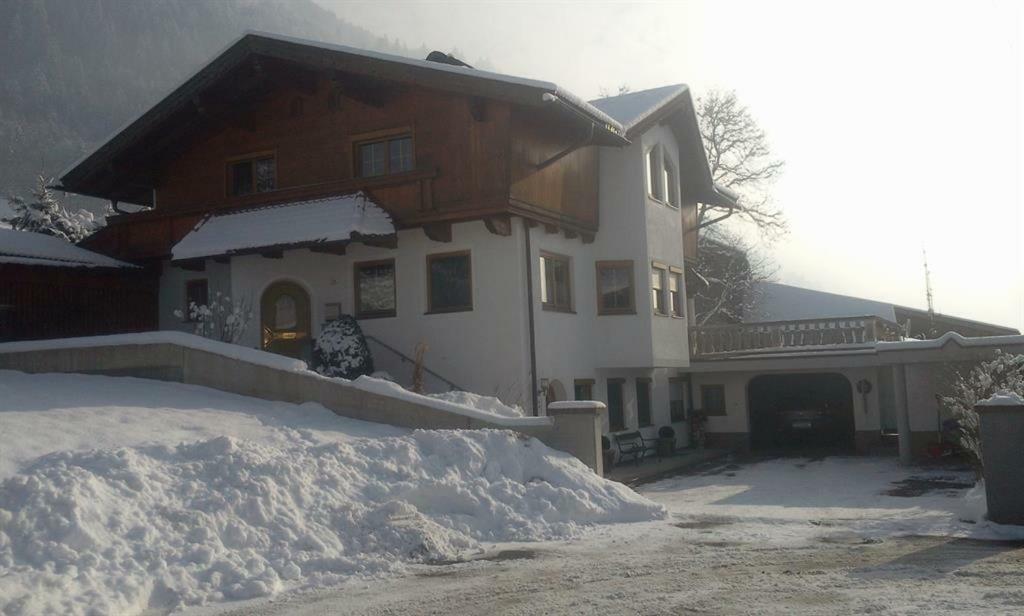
{"x": 122, "y": 530}
{"x": 459, "y": 403}
{"x": 487, "y": 404}
{"x": 1003, "y": 398}
{"x": 158, "y": 520}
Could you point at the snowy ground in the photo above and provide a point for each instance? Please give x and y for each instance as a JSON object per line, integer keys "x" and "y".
{"x": 125, "y": 496}
{"x": 785, "y": 536}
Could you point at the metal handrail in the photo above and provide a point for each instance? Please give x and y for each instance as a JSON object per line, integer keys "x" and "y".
{"x": 405, "y": 358}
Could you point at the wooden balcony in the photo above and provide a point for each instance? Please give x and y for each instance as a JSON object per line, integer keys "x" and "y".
{"x": 782, "y": 336}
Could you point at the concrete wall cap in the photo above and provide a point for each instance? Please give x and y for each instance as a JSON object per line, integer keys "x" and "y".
{"x": 568, "y": 407}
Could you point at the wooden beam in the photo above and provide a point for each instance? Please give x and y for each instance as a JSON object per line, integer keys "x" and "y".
{"x": 588, "y": 238}
{"x": 570, "y": 234}
{"x": 331, "y": 248}
{"x": 550, "y": 228}
{"x": 439, "y": 231}
{"x": 272, "y": 254}
{"x": 222, "y": 259}
{"x": 499, "y": 225}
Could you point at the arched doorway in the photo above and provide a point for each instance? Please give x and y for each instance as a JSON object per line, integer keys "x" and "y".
{"x": 555, "y": 392}
{"x": 801, "y": 411}
{"x": 285, "y": 320}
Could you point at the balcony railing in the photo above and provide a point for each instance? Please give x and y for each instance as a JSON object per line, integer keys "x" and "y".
{"x": 805, "y": 334}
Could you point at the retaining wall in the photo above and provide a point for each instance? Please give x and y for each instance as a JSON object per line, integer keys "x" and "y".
{"x": 573, "y": 429}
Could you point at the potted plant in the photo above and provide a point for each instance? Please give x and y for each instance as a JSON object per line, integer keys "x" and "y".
{"x": 666, "y": 441}
{"x": 607, "y": 453}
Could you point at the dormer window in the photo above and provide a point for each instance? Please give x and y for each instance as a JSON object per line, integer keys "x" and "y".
{"x": 662, "y": 176}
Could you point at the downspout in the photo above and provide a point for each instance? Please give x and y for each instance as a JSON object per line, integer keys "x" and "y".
{"x": 529, "y": 312}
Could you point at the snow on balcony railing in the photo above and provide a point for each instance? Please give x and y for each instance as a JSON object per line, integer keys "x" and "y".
{"x": 809, "y": 334}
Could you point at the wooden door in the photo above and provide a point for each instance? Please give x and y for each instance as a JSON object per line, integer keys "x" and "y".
{"x": 285, "y": 320}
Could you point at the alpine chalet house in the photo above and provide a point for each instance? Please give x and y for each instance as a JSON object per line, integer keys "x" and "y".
{"x": 536, "y": 244}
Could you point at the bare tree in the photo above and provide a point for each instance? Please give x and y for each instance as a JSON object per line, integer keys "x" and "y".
{"x": 733, "y": 270}
{"x": 741, "y": 160}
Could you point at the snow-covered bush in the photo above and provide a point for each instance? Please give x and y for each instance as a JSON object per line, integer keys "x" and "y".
{"x": 44, "y": 213}
{"x": 221, "y": 319}
{"x": 341, "y": 350}
{"x": 1004, "y": 373}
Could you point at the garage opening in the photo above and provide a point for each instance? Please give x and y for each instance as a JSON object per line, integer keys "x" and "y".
{"x": 801, "y": 412}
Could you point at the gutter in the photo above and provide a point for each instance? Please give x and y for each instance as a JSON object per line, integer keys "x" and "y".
{"x": 530, "y": 317}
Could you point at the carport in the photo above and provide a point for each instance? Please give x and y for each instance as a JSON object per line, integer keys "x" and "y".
{"x": 808, "y": 411}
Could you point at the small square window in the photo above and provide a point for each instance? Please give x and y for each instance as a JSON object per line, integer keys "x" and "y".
{"x": 400, "y": 155}
{"x": 677, "y": 400}
{"x": 450, "y": 282}
{"x": 254, "y": 175}
{"x": 386, "y": 156}
{"x": 556, "y": 283}
{"x": 375, "y": 289}
{"x": 583, "y": 389}
{"x": 616, "y": 415}
{"x": 615, "y": 293}
{"x": 372, "y": 159}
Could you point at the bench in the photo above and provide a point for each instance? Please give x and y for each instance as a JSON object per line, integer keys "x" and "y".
{"x": 634, "y": 444}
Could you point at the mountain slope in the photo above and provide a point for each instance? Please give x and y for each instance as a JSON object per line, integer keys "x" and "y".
{"x": 76, "y": 70}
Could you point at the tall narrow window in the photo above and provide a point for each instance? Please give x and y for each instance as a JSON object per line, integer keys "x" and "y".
{"x": 675, "y": 295}
{"x": 616, "y": 417}
{"x": 450, "y": 282}
{"x": 615, "y": 293}
{"x": 386, "y": 156}
{"x": 713, "y": 399}
{"x": 196, "y": 294}
{"x": 676, "y": 400}
{"x": 671, "y": 181}
{"x": 643, "y": 402}
{"x": 658, "y": 290}
{"x": 375, "y": 289}
{"x": 254, "y": 175}
{"x": 655, "y": 176}
{"x": 555, "y": 283}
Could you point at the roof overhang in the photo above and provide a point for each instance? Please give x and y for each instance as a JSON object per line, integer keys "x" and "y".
{"x": 116, "y": 171}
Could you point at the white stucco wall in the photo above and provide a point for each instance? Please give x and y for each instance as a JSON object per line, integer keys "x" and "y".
{"x": 172, "y": 291}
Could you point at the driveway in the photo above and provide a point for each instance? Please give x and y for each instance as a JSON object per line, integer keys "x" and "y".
{"x": 783, "y": 536}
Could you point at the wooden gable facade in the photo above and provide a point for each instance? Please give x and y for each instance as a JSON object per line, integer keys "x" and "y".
{"x": 479, "y": 150}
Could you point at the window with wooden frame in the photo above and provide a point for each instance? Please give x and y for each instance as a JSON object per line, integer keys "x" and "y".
{"x": 615, "y": 288}
{"x": 675, "y": 291}
{"x": 197, "y": 293}
{"x": 556, "y": 282}
{"x": 375, "y": 289}
{"x": 583, "y": 389}
{"x": 385, "y": 156}
{"x": 252, "y": 175}
{"x": 616, "y": 405}
{"x": 658, "y": 300}
{"x": 712, "y": 399}
{"x": 449, "y": 282}
{"x": 643, "y": 402}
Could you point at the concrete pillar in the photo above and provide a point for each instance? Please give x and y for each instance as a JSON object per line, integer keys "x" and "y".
{"x": 899, "y": 382}
{"x": 577, "y": 430}
{"x": 1001, "y": 428}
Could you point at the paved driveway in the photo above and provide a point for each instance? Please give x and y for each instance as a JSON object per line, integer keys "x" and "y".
{"x": 785, "y": 536}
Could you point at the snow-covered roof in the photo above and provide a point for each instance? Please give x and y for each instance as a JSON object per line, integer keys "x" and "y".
{"x": 27, "y": 248}
{"x": 334, "y": 219}
{"x": 631, "y": 108}
{"x": 782, "y": 302}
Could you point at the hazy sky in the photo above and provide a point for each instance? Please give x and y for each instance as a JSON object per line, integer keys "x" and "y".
{"x": 900, "y": 122}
